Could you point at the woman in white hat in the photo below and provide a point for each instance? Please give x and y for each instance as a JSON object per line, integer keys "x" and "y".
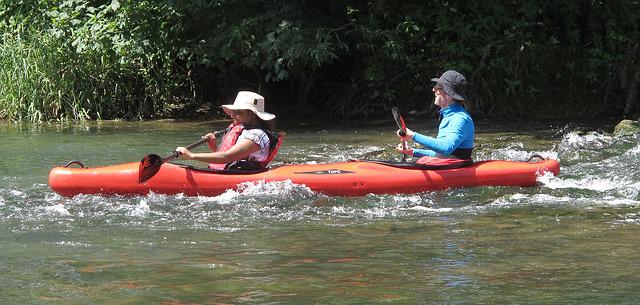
{"x": 250, "y": 141}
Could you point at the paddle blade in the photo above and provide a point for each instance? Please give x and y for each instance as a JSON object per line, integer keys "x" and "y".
{"x": 149, "y": 166}
{"x": 399, "y": 121}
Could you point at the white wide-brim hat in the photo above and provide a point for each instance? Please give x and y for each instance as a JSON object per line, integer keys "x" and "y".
{"x": 247, "y": 100}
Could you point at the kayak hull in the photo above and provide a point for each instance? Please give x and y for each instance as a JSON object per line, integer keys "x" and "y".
{"x": 354, "y": 178}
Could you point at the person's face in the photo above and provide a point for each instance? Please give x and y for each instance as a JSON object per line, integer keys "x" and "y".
{"x": 241, "y": 116}
{"x": 442, "y": 99}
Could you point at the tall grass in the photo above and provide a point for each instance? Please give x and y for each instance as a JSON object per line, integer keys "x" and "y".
{"x": 36, "y": 82}
{"x": 43, "y": 78}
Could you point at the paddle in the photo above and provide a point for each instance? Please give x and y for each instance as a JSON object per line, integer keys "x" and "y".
{"x": 150, "y": 164}
{"x": 403, "y": 129}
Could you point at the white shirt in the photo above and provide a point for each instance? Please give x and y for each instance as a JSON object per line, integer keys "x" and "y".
{"x": 259, "y": 137}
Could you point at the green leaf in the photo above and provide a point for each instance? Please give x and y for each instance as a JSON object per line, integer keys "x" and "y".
{"x": 115, "y": 5}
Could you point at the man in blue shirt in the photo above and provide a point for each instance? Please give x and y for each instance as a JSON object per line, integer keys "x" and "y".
{"x": 456, "y": 130}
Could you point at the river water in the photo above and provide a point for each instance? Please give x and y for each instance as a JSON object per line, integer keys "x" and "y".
{"x": 572, "y": 240}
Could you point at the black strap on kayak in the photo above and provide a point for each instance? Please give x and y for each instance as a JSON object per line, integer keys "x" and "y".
{"x": 405, "y": 165}
{"x": 223, "y": 171}
{"x": 76, "y": 162}
{"x": 536, "y": 156}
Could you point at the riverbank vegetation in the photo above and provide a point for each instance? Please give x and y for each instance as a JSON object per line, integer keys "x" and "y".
{"x": 128, "y": 59}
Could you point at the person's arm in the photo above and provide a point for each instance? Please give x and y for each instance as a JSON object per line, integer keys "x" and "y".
{"x": 418, "y": 152}
{"x": 415, "y": 152}
{"x": 241, "y": 149}
{"x": 449, "y": 138}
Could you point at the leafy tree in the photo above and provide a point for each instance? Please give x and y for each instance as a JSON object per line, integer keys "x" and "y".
{"x": 142, "y": 59}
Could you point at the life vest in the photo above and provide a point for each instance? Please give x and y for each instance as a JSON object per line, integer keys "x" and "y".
{"x": 231, "y": 137}
{"x": 274, "y": 146}
{"x": 463, "y": 153}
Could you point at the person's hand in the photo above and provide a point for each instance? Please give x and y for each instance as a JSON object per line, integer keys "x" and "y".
{"x": 407, "y": 151}
{"x": 210, "y": 136}
{"x": 407, "y": 136}
{"x": 184, "y": 153}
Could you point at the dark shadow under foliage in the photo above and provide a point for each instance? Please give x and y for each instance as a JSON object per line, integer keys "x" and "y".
{"x": 345, "y": 59}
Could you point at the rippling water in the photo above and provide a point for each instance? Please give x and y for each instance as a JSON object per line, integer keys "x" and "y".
{"x": 574, "y": 239}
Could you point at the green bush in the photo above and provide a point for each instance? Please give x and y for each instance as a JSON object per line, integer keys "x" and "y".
{"x": 78, "y": 61}
{"x": 71, "y": 59}
{"x": 35, "y": 82}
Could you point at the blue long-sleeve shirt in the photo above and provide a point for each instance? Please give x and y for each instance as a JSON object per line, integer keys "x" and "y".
{"x": 456, "y": 130}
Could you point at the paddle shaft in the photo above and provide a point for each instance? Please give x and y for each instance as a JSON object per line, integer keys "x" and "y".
{"x": 175, "y": 154}
{"x": 404, "y": 147}
{"x": 403, "y": 130}
{"x": 150, "y": 164}
{"x": 190, "y": 146}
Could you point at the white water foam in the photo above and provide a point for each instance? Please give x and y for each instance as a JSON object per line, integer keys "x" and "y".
{"x": 388, "y": 206}
{"x": 429, "y": 209}
{"x": 597, "y": 184}
{"x": 525, "y": 199}
{"x": 409, "y": 200}
{"x": 50, "y": 197}
{"x": 73, "y": 244}
{"x": 18, "y": 194}
{"x": 588, "y": 141}
{"x": 140, "y": 210}
{"x": 58, "y": 209}
{"x": 262, "y": 188}
{"x": 632, "y": 190}
{"x": 628, "y": 221}
{"x": 603, "y": 163}
{"x": 514, "y": 154}
{"x": 622, "y": 202}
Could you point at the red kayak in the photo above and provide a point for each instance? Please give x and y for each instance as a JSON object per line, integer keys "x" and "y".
{"x": 353, "y": 178}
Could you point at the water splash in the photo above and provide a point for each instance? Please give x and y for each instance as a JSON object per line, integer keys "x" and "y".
{"x": 140, "y": 210}
{"x": 57, "y": 209}
{"x": 589, "y": 141}
{"x": 627, "y": 219}
{"x": 600, "y": 163}
{"x": 593, "y": 183}
{"x": 72, "y": 244}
